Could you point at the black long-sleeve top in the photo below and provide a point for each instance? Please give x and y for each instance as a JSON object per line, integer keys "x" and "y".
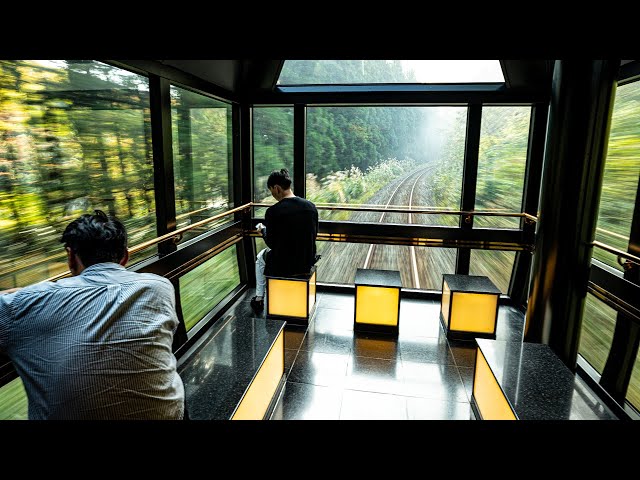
{"x": 291, "y": 230}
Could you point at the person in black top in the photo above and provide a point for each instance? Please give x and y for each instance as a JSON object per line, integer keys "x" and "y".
{"x": 290, "y": 231}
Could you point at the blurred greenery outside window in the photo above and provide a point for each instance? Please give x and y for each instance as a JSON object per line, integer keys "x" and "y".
{"x": 75, "y": 136}
{"x": 621, "y": 172}
{"x": 272, "y": 150}
{"x": 202, "y": 159}
{"x": 496, "y": 265}
{"x": 396, "y": 156}
{"x": 13, "y": 401}
{"x": 205, "y": 286}
{"x": 633, "y": 392}
{"x": 502, "y": 159}
{"x": 596, "y": 334}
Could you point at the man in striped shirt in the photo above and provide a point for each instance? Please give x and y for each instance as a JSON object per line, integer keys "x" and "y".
{"x": 96, "y": 345}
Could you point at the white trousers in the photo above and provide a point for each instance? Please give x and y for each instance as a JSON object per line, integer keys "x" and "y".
{"x": 261, "y": 281}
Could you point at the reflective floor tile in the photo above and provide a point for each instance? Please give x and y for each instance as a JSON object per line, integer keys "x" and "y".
{"x": 289, "y": 357}
{"x": 243, "y": 309}
{"x": 426, "y": 350}
{"x": 329, "y": 320}
{"x": 429, "y": 409}
{"x": 328, "y": 343}
{"x": 293, "y": 337}
{"x": 341, "y": 301}
{"x": 431, "y": 380}
{"x": 419, "y": 318}
{"x": 365, "y": 345}
{"x": 372, "y": 406}
{"x": 464, "y": 353}
{"x": 316, "y": 368}
{"x": 466, "y": 373}
{"x": 301, "y": 401}
{"x": 374, "y": 375}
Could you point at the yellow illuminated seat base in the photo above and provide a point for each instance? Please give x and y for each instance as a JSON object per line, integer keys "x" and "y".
{"x": 292, "y": 299}
{"x": 260, "y": 393}
{"x": 488, "y": 397}
{"x": 377, "y": 309}
{"x": 466, "y": 315}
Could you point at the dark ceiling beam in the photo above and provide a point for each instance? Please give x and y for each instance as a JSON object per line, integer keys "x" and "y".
{"x": 259, "y": 75}
{"x": 528, "y": 74}
{"x": 178, "y": 76}
{"x": 397, "y": 95}
{"x": 629, "y": 72}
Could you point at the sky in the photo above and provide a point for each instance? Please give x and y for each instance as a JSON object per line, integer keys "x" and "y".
{"x": 454, "y": 71}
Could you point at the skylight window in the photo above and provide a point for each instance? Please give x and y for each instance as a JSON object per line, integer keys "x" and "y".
{"x": 350, "y": 72}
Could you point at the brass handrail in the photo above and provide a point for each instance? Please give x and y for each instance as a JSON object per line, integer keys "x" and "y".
{"x": 613, "y": 234}
{"x": 179, "y": 231}
{"x": 361, "y": 208}
{"x": 166, "y": 236}
{"x": 620, "y": 253}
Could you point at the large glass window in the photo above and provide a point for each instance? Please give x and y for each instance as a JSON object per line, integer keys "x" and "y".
{"x": 633, "y": 392}
{"x": 13, "y": 401}
{"x": 596, "y": 334}
{"x": 621, "y": 172}
{"x": 272, "y": 149}
{"x": 402, "y": 157}
{"x": 386, "y": 156}
{"x": 419, "y": 267}
{"x": 205, "y": 286}
{"x": 305, "y": 72}
{"x": 74, "y": 136}
{"x": 202, "y": 158}
{"x": 495, "y": 264}
{"x": 502, "y": 159}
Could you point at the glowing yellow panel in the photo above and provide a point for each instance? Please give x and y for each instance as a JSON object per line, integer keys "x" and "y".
{"x": 312, "y": 292}
{"x": 445, "y": 303}
{"x": 377, "y": 305}
{"x": 257, "y": 398}
{"x": 287, "y": 297}
{"x": 473, "y": 312}
{"x": 487, "y": 393}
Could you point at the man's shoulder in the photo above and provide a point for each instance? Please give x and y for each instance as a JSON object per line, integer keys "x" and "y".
{"x": 27, "y": 295}
{"x": 296, "y": 203}
{"x": 152, "y": 278}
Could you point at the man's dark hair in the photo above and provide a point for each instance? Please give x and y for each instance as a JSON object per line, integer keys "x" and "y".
{"x": 279, "y": 177}
{"x": 96, "y": 238}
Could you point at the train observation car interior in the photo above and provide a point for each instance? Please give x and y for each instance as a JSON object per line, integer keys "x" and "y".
{"x": 479, "y": 226}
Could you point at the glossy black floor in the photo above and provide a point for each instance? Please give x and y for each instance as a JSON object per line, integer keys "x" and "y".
{"x": 336, "y": 374}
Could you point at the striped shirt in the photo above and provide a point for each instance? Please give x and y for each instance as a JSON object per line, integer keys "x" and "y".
{"x": 95, "y": 346}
